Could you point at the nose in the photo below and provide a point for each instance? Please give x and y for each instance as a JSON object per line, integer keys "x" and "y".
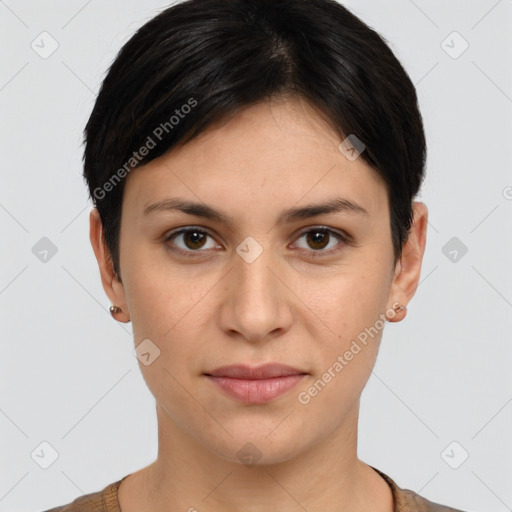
{"x": 257, "y": 304}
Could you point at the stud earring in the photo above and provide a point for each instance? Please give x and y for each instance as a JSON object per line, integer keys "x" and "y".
{"x": 114, "y": 310}
{"x": 396, "y": 310}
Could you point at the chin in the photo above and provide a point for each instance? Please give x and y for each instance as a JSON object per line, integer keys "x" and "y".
{"x": 258, "y": 448}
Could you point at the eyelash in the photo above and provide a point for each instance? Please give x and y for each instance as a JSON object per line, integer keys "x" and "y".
{"x": 345, "y": 239}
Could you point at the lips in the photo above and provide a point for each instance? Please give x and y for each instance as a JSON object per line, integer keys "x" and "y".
{"x": 266, "y": 371}
{"x": 255, "y": 385}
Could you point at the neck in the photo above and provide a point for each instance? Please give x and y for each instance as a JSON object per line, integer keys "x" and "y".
{"x": 187, "y": 476}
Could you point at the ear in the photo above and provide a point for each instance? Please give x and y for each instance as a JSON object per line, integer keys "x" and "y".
{"x": 408, "y": 268}
{"x": 111, "y": 284}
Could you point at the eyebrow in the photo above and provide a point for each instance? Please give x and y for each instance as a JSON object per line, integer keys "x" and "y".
{"x": 335, "y": 205}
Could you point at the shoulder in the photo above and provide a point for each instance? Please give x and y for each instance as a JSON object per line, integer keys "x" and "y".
{"x": 87, "y": 503}
{"x": 100, "y": 501}
{"x": 419, "y": 504}
{"x": 410, "y": 501}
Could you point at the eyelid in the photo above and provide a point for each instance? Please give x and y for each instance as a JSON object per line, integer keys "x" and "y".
{"x": 320, "y": 227}
{"x": 186, "y": 229}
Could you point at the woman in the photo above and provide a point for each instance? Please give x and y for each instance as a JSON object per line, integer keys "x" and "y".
{"x": 253, "y": 165}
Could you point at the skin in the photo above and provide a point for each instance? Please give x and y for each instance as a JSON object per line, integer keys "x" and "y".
{"x": 215, "y": 309}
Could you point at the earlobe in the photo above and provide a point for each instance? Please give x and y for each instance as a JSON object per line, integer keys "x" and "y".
{"x": 408, "y": 270}
{"x": 110, "y": 282}
{"x": 396, "y": 313}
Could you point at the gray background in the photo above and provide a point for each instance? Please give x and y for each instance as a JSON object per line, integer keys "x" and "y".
{"x": 68, "y": 374}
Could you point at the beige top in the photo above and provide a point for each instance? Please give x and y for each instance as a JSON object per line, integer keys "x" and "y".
{"x": 106, "y": 500}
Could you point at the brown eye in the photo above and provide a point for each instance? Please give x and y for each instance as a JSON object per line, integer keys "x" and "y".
{"x": 317, "y": 239}
{"x": 189, "y": 241}
{"x": 194, "y": 239}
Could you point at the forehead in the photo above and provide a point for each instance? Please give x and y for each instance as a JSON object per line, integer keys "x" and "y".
{"x": 275, "y": 152}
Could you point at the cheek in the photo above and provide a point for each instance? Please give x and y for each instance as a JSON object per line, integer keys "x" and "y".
{"x": 168, "y": 315}
{"x": 349, "y": 309}
{"x": 348, "y": 300}
{"x": 346, "y": 362}
{"x": 158, "y": 293}
{"x": 166, "y": 308}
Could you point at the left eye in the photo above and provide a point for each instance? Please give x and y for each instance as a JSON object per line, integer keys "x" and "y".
{"x": 320, "y": 238}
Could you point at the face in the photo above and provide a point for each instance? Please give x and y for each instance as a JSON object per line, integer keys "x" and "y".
{"x": 266, "y": 282}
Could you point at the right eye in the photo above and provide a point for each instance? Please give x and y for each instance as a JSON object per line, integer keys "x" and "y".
{"x": 192, "y": 240}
